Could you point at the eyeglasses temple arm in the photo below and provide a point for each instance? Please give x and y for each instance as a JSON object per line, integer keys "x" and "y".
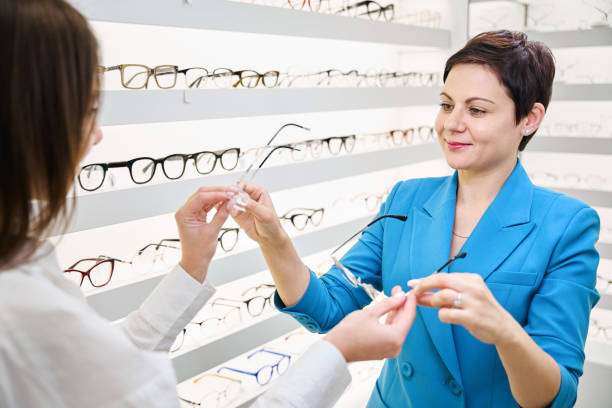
{"x": 402, "y": 218}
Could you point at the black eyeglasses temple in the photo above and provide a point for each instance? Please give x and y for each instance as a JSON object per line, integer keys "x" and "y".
{"x": 399, "y": 217}
{"x": 460, "y": 255}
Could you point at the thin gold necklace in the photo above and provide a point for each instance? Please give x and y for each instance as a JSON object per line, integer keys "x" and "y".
{"x": 460, "y": 236}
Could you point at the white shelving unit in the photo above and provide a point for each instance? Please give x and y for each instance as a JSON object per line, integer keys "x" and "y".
{"x": 256, "y": 19}
{"x": 126, "y": 107}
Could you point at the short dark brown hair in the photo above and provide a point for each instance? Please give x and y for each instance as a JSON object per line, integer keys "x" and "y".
{"x": 49, "y": 60}
{"x": 525, "y": 68}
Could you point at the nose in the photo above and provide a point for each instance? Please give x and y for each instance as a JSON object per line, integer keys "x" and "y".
{"x": 454, "y": 121}
{"x": 97, "y": 135}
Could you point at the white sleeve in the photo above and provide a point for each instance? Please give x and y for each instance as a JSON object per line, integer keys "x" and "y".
{"x": 316, "y": 380}
{"x": 172, "y": 304}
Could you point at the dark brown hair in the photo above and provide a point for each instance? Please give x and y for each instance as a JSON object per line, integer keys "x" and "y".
{"x": 49, "y": 60}
{"x": 525, "y": 68}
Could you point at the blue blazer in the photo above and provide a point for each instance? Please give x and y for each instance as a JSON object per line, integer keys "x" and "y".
{"x": 534, "y": 248}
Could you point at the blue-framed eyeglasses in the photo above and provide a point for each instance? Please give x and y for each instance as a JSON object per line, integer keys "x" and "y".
{"x": 264, "y": 374}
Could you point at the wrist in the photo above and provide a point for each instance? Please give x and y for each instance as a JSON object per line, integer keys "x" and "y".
{"x": 196, "y": 270}
{"x": 340, "y": 345}
{"x": 276, "y": 242}
{"x": 510, "y": 334}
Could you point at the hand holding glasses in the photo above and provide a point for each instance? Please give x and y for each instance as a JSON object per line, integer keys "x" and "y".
{"x": 237, "y": 203}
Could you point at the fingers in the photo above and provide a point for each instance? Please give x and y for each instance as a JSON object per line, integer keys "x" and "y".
{"x": 202, "y": 200}
{"x": 388, "y": 304}
{"x": 391, "y": 315}
{"x": 251, "y": 206}
{"x": 256, "y": 192}
{"x": 438, "y": 281}
{"x": 454, "y": 316}
{"x": 220, "y": 217}
{"x": 441, "y": 298}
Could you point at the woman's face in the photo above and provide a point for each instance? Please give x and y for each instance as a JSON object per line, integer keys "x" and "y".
{"x": 476, "y": 122}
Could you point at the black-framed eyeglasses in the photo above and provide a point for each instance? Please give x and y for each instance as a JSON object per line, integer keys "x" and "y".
{"x": 255, "y": 305}
{"x": 98, "y": 271}
{"x": 334, "y": 145}
{"x": 228, "y": 78}
{"x": 374, "y": 10}
{"x": 142, "y": 169}
{"x": 300, "y": 217}
{"x": 227, "y": 239}
{"x": 265, "y": 373}
{"x": 313, "y": 5}
{"x": 136, "y": 76}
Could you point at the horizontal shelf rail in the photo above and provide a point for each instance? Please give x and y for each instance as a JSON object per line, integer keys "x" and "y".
{"x": 117, "y": 303}
{"x": 102, "y": 209}
{"x": 124, "y": 107}
{"x": 222, "y": 15}
{"x": 571, "y": 144}
{"x": 595, "y": 37}
{"x": 595, "y": 198}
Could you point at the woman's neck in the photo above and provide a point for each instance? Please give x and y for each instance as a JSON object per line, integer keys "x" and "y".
{"x": 479, "y": 188}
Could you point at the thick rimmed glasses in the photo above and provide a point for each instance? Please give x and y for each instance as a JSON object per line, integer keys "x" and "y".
{"x": 255, "y": 305}
{"x": 142, "y": 169}
{"x": 219, "y": 390}
{"x": 300, "y": 217}
{"x": 136, "y": 76}
{"x": 334, "y": 145}
{"x": 374, "y": 10}
{"x": 227, "y": 78}
{"x": 312, "y": 5}
{"x": 98, "y": 271}
{"x": 264, "y": 374}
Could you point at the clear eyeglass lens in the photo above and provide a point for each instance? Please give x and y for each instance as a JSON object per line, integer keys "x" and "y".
{"x": 165, "y": 76}
{"x": 205, "y": 162}
{"x": 229, "y": 159}
{"x": 142, "y": 170}
{"x": 223, "y": 78}
{"x": 135, "y": 76}
{"x": 91, "y": 177}
{"x": 174, "y": 166}
{"x": 228, "y": 240}
{"x": 100, "y": 275}
{"x": 196, "y": 77}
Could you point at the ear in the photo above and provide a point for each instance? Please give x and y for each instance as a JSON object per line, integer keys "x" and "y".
{"x": 533, "y": 119}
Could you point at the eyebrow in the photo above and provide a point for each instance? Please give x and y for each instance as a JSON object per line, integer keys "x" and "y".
{"x": 468, "y": 100}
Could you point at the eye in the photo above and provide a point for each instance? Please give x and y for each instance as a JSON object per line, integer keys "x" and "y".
{"x": 476, "y": 112}
{"x": 446, "y": 107}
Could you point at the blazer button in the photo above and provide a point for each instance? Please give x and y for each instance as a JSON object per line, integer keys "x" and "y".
{"x": 407, "y": 370}
{"x": 454, "y": 387}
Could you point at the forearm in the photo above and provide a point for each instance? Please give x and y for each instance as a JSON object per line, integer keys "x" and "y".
{"x": 534, "y": 375}
{"x": 291, "y": 276}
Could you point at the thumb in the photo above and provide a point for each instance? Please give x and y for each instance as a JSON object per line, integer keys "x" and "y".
{"x": 405, "y": 315}
{"x": 388, "y": 304}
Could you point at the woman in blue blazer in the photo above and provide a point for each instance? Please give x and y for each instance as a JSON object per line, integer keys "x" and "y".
{"x": 506, "y": 324}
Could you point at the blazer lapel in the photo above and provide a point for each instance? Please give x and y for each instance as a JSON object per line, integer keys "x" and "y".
{"x": 429, "y": 243}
